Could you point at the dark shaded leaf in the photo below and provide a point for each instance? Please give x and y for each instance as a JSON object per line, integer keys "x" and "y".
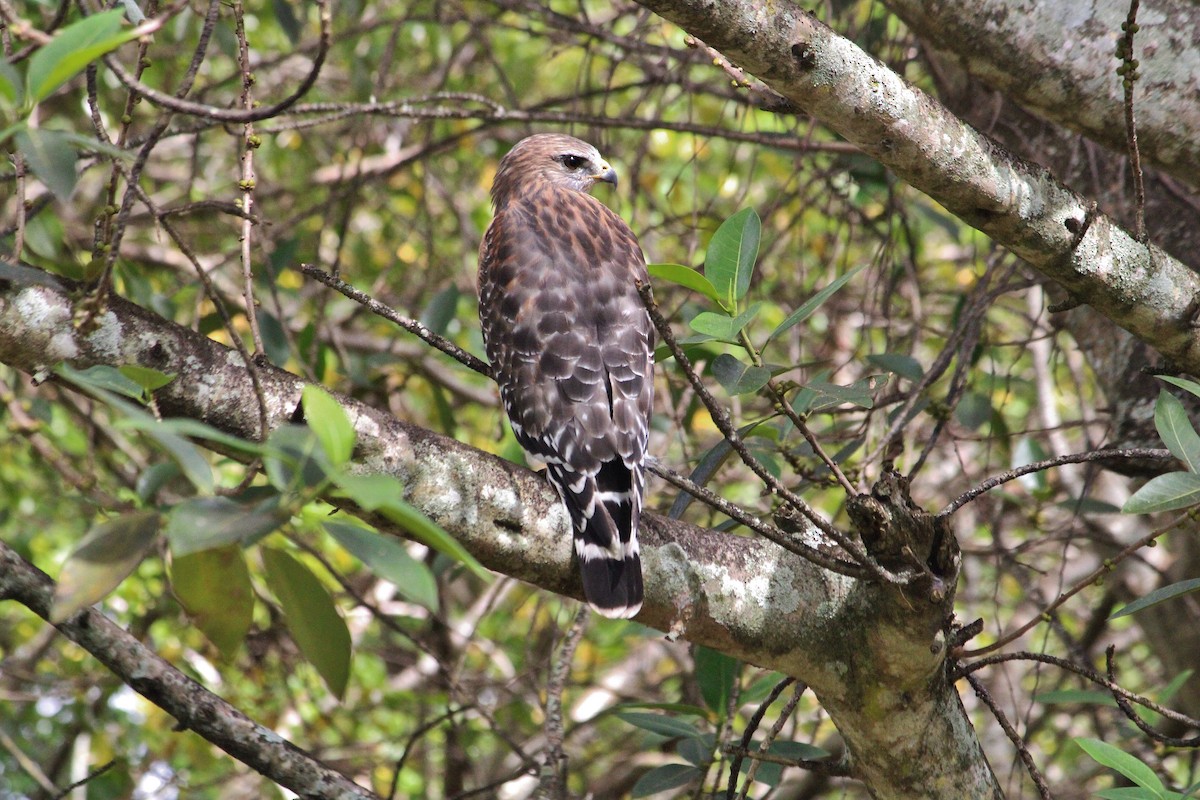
{"x": 103, "y": 558}
{"x": 441, "y": 310}
{"x": 662, "y": 778}
{"x": 715, "y": 672}
{"x": 388, "y": 559}
{"x": 202, "y": 523}
{"x": 897, "y": 364}
{"x": 737, "y": 377}
{"x": 50, "y": 157}
{"x": 670, "y": 727}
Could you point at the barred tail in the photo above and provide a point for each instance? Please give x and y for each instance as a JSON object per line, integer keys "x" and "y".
{"x": 604, "y": 513}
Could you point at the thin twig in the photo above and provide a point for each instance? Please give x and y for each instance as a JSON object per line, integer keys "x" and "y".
{"x": 963, "y": 670}
{"x": 181, "y": 106}
{"x": 765, "y": 529}
{"x": 414, "y": 327}
{"x": 552, "y": 784}
{"x": 1049, "y": 463}
{"x": 1106, "y": 567}
{"x": 1129, "y": 75}
{"x": 1026, "y": 757}
{"x": 1127, "y": 710}
{"x": 720, "y": 417}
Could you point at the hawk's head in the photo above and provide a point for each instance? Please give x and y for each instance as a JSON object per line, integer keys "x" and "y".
{"x": 552, "y": 158}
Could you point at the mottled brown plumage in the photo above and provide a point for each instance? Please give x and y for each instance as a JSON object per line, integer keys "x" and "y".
{"x": 572, "y": 347}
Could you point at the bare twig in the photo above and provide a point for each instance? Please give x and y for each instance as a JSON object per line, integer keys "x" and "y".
{"x": 1106, "y": 567}
{"x": 411, "y": 325}
{"x": 1129, "y": 75}
{"x": 1132, "y": 716}
{"x": 553, "y": 780}
{"x": 1050, "y": 463}
{"x": 1026, "y": 757}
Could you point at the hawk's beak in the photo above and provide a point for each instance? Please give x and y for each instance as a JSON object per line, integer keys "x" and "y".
{"x": 606, "y": 174}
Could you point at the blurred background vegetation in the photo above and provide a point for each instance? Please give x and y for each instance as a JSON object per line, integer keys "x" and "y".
{"x": 380, "y": 173}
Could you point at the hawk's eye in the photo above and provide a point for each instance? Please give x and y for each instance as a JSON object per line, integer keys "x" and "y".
{"x": 571, "y": 161}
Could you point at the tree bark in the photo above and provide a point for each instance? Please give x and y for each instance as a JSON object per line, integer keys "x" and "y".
{"x": 1056, "y": 58}
{"x": 1019, "y": 205}
{"x": 874, "y": 655}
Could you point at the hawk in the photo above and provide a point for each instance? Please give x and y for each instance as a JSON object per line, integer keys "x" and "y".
{"x": 572, "y": 348}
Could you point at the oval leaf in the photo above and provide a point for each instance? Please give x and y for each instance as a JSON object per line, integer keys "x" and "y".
{"x": 1165, "y": 493}
{"x": 739, "y": 378}
{"x": 313, "y": 620}
{"x": 102, "y": 559}
{"x": 388, "y": 559}
{"x": 51, "y": 157}
{"x": 1171, "y": 420}
{"x": 732, "y": 251}
{"x": 213, "y": 586}
{"x": 686, "y": 277}
{"x": 715, "y": 672}
{"x": 203, "y": 523}
{"x": 329, "y": 422}
{"x": 667, "y": 776}
{"x": 1182, "y": 383}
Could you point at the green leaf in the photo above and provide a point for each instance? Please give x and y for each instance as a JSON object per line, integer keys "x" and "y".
{"x": 819, "y": 395}
{"x": 698, "y": 751}
{"x": 973, "y": 410}
{"x": 213, "y": 586}
{"x": 328, "y": 420}
{"x": 441, "y": 310}
{"x": 1127, "y": 793}
{"x": 103, "y": 558}
{"x": 897, "y": 364}
{"x": 660, "y": 724}
{"x": 664, "y": 777}
{"x": 288, "y": 23}
{"x": 1165, "y": 493}
{"x": 1159, "y": 595}
{"x": 294, "y": 459}
{"x": 75, "y": 47}
{"x": 739, "y": 378}
{"x": 315, "y": 624}
{"x": 1030, "y": 451}
{"x": 1171, "y": 420}
{"x": 812, "y": 304}
{"x": 1122, "y": 762}
{"x": 150, "y": 380}
{"x": 1182, "y": 383}
{"x": 721, "y": 326}
{"x": 706, "y": 467}
{"x": 729, "y": 260}
{"x": 716, "y": 673}
{"x": 12, "y": 90}
{"x": 192, "y": 428}
{"x": 104, "y": 378}
{"x": 388, "y": 559}
{"x": 384, "y": 494}
{"x": 50, "y": 157}
{"x": 798, "y": 751}
{"x": 686, "y": 277}
{"x": 202, "y": 523}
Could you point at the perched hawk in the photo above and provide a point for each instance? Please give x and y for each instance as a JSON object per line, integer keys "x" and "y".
{"x": 572, "y": 347}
